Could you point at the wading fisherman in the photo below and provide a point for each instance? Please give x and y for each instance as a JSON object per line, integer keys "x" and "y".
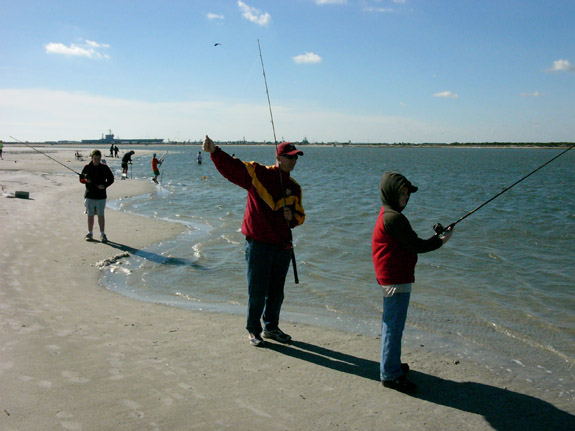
{"x": 127, "y": 159}
{"x": 156, "y": 168}
{"x": 97, "y": 177}
{"x": 394, "y": 249}
{"x": 273, "y": 208}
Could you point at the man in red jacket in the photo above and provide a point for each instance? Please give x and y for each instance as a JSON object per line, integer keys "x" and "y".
{"x": 394, "y": 249}
{"x": 273, "y": 208}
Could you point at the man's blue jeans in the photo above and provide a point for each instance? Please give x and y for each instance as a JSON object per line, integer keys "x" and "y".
{"x": 393, "y": 322}
{"x": 267, "y": 269}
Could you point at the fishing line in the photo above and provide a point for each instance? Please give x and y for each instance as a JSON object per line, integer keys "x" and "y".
{"x": 439, "y": 229}
{"x": 67, "y": 167}
{"x": 279, "y": 170}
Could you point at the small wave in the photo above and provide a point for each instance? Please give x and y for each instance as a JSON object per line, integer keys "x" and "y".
{"x": 530, "y": 342}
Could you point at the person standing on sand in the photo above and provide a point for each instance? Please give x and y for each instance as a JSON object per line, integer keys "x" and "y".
{"x": 97, "y": 177}
{"x": 394, "y": 250}
{"x": 155, "y": 167}
{"x": 116, "y": 151}
{"x": 274, "y": 207}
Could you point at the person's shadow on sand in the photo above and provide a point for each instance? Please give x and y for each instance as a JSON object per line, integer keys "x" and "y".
{"x": 154, "y": 257}
{"x": 504, "y": 410}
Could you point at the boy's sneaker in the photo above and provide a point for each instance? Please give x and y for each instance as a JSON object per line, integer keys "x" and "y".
{"x": 89, "y": 237}
{"x": 401, "y": 384}
{"x": 256, "y": 340}
{"x": 104, "y": 238}
{"x": 278, "y": 335}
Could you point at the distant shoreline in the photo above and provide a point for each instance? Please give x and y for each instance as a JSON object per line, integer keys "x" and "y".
{"x": 315, "y": 144}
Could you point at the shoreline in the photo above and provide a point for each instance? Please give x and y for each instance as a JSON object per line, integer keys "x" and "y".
{"x": 477, "y": 145}
{"x": 69, "y": 344}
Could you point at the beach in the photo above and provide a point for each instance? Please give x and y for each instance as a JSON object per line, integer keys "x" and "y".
{"x": 76, "y": 356}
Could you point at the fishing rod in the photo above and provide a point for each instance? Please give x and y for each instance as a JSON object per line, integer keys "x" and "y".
{"x": 161, "y": 160}
{"x": 279, "y": 170}
{"x": 439, "y": 229}
{"x": 60, "y": 163}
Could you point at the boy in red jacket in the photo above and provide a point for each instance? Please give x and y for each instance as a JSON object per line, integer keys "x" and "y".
{"x": 273, "y": 208}
{"x": 394, "y": 250}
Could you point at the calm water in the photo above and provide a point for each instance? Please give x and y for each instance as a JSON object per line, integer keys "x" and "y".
{"x": 501, "y": 292}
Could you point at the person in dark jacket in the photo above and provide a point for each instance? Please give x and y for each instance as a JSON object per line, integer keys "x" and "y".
{"x": 273, "y": 208}
{"x": 97, "y": 177}
{"x": 127, "y": 159}
{"x": 395, "y": 247}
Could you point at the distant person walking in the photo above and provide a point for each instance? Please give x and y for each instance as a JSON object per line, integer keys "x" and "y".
{"x": 127, "y": 159}
{"x": 199, "y": 158}
{"x": 394, "y": 249}
{"x": 155, "y": 168}
{"x": 112, "y": 150}
{"x": 116, "y": 151}
{"x": 1, "y": 145}
{"x": 97, "y": 177}
{"x": 273, "y": 209}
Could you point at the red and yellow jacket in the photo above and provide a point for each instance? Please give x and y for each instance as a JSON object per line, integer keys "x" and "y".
{"x": 263, "y": 219}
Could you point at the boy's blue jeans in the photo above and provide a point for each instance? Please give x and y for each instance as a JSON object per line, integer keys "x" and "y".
{"x": 393, "y": 322}
{"x": 267, "y": 269}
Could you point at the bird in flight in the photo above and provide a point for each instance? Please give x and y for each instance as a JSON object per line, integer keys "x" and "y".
{"x": 216, "y": 44}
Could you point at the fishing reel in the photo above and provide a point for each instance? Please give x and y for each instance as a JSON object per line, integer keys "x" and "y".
{"x": 438, "y": 228}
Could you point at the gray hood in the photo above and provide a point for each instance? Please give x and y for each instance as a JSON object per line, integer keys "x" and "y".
{"x": 389, "y": 188}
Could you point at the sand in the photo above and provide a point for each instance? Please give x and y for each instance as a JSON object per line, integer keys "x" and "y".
{"x": 76, "y": 356}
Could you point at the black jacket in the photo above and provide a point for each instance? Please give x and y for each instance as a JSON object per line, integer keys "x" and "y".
{"x": 97, "y": 175}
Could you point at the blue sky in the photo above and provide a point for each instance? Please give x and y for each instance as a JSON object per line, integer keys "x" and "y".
{"x": 337, "y": 70}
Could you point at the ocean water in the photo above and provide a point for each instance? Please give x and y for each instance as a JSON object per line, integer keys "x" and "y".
{"x": 500, "y": 293}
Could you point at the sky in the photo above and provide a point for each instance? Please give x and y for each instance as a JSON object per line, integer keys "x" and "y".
{"x": 370, "y": 71}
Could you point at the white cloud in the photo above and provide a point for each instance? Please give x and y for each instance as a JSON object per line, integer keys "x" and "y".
{"x": 534, "y": 94}
{"x": 254, "y": 15}
{"x": 446, "y": 95}
{"x": 322, "y": 2}
{"x": 308, "y": 57}
{"x": 211, "y": 15}
{"x": 561, "y": 66}
{"x": 88, "y": 49}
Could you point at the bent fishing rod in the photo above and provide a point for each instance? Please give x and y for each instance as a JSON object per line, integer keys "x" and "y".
{"x": 60, "y": 163}
{"x": 296, "y": 278}
{"x": 439, "y": 229}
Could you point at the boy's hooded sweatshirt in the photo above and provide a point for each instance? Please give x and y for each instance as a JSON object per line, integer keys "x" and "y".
{"x": 394, "y": 244}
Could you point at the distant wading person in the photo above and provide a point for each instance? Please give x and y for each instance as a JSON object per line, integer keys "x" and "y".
{"x": 155, "y": 168}
{"x": 127, "y": 159}
{"x": 394, "y": 248}
{"x": 97, "y": 177}
{"x": 267, "y": 224}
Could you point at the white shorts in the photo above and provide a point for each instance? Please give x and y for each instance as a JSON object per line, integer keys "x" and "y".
{"x": 95, "y": 206}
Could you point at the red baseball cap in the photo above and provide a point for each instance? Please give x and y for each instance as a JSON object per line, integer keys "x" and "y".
{"x": 287, "y": 149}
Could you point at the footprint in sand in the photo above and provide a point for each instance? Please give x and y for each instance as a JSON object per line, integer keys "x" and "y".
{"x": 68, "y": 424}
{"x": 45, "y": 384}
{"x": 133, "y": 405}
{"x": 74, "y": 377}
{"x": 53, "y": 349}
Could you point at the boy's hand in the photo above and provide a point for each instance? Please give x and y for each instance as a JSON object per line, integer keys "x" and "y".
{"x": 446, "y": 235}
